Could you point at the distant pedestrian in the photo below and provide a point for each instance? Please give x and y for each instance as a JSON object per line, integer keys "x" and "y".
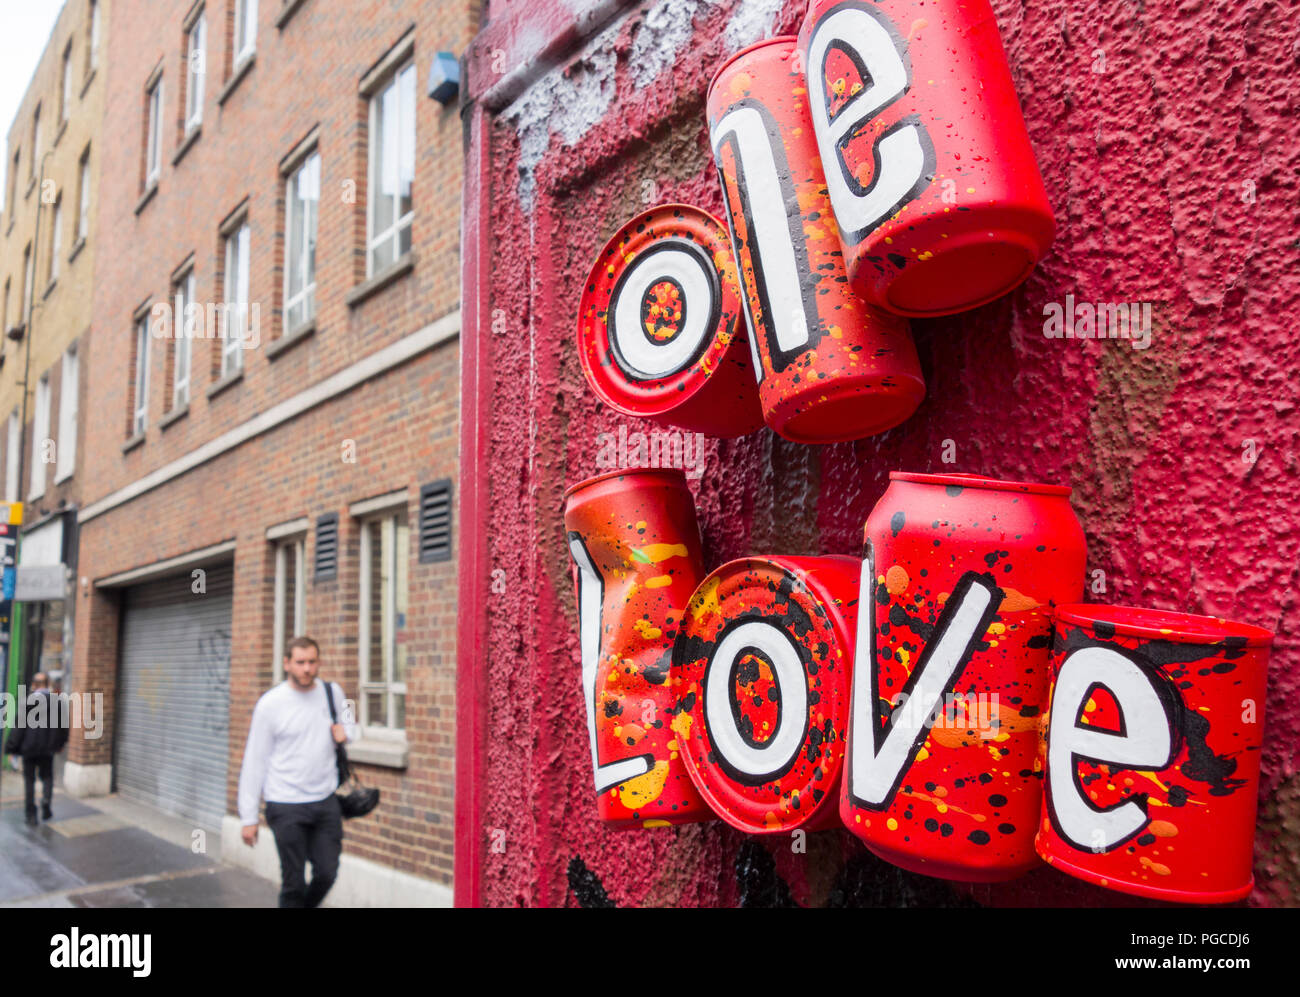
{"x": 290, "y": 761}
{"x": 38, "y": 738}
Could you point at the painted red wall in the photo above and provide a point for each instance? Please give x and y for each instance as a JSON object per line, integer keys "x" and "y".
{"x": 1164, "y": 137}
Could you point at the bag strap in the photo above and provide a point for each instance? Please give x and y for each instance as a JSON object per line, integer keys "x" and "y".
{"x": 340, "y": 752}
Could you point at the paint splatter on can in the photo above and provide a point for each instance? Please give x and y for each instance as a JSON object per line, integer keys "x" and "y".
{"x": 934, "y": 184}
{"x": 1151, "y": 751}
{"x": 762, "y": 669}
{"x": 959, "y": 576}
{"x": 635, "y": 544}
{"x": 832, "y": 367}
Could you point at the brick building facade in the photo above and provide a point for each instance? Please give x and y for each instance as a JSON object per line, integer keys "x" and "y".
{"x": 275, "y": 399}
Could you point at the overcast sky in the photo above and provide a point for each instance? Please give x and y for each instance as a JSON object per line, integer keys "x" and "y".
{"x": 25, "y": 27}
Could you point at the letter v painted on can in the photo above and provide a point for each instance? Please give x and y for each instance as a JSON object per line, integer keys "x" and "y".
{"x": 882, "y": 748}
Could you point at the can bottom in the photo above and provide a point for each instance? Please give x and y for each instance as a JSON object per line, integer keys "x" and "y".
{"x": 1146, "y": 890}
{"x": 951, "y": 870}
{"x": 967, "y": 272}
{"x": 852, "y": 415}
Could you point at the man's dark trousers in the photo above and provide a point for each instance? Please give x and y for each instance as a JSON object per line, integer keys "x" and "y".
{"x": 42, "y": 765}
{"x": 306, "y": 832}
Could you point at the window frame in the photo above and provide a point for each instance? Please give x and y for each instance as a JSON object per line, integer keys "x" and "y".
{"x": 36, "y": 143}
{"x": 69, "y": 386}
{"x": 231, "y": 276}
{"x": 140, "y": 387}
{"x": 387, "y": 520}
{"x": 374, "y": 142}
{"x": 182, "y": 342}
{"x": 195, "y": 77}
{"x": 56, "y": 239}
{"x": 306, "y": 295}
{"x": 83, "y": 196}
{"x": 40, "y": 432}
{"x": 295, "y": 546}
{"x": 244, "y": 40}
{"x": 92, "y": 49}
{"x": 153, "y": 138}
{"x": 65, "y": 85}
{"x": 13, "y": 441}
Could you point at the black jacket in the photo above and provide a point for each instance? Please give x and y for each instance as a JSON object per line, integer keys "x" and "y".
{"x": 43, "y": 730}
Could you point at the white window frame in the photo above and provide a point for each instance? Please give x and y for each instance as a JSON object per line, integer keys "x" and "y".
{"x": 238, "y": 243}
{"x": 388, "y": 526}
{"x": 65, "y": 98}
{"x": 396, "y": 150}
{"x": 306, "y": 295}
{"x": 56, "y": 238}
{"x": 83, "y": 209}
{"x": 294, "y": 547}
{"x": 68, "y": 388}
{"x": 11, "y": 458}
{"x": 29, "y": 279}
{"x": 245, "y": 41}
{"x": 153, "y": 153}
{"x": 195, "y": 71}
{"x": 182, "y": 352}
{"x": 94, "y": 34}
{"x": 36, "y": 141}
{"x": 40, "y": 433}
{"x": 140, "y": 415}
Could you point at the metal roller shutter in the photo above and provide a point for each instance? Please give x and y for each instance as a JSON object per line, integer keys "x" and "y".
{"x": 174, "y": 696}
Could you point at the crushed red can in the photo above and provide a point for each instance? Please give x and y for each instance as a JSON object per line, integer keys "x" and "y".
{"x": 934, "y": 184}
{"x": 959, "y": 577}
{"x": 635, "y": 544}
{"x": 762, "y": 668}
{"x": 660, "y": 333}
{"x": 1151, "y": 750}
{"x": 832, "y": 367}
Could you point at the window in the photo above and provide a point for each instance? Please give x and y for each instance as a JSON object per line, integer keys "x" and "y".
{"x": 67, "y": 417}
{"x": 10, "y": 204}
{"x": 83, "y": 196}
{"x": 92, "y": 53}
{"x": 181, "y": 332}
{"x": 236, "y": 311}
{"x": 65, "y": 87}
{"x": 36, "y": 142}
{"x": 11, "y": 458}
{"x": 153, "y": 152}
{"x": 29, "y": 278}
{"x": 290, "y": 597}
{"x": 392, "y": 170}
{"x": 385, "y": 559}
{"x": 56, "y": 238}
{"x": 4, "y": 315}
{"x": 196, "y": 70}
{"x": 302, "y": 197}
{"x": 40, "y": 433}
{"x": 140, "y": 394}
{"x": 245, "y": 29}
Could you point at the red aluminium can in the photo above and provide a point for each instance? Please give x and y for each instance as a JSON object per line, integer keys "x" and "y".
{"x": 832, "y": 367}
{"x": 660, "y": 333}
{"x": 1151, "y": 751}
{"x": 959, "y": 576}
{"x": 635, "y": 544}
{"x": 762, "y": 670}
{"x": 928, "y": 164}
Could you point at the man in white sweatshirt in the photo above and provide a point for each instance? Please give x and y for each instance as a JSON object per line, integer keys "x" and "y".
{"x": 289, "y": 760}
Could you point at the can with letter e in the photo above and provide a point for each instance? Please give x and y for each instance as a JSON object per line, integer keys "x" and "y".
{"x": 959, "y": 577}
{"x": 1151, "y": 750}
{"x": 934, "y": 184}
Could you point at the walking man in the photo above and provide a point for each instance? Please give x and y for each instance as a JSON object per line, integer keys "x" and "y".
{"x": 38, "y": 739}
{"x": 289, "y": 760}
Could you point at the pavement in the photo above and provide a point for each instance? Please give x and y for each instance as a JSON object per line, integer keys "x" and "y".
{"x": 111, "y": 852}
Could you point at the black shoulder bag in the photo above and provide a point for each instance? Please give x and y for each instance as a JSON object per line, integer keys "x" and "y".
{"x": 361, "y": 800}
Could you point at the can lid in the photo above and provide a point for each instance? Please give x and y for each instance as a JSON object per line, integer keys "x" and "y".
{"x": 778, "y": 40}
{"x": 1161, "y": 624}
{"x": 957, "y": 479}
{"x": 678, "y": 476}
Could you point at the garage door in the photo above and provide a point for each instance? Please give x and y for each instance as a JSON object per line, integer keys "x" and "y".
{"x": 174, "y": 686}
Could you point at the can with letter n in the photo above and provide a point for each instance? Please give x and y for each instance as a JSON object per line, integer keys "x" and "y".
{"x": 831, "y": 366}
{"x": 928, "y": 165}
{"x": 635, "y": 544}
{"x": 959, "y": 577}
{"x": 762, "y": 666}
{"x": 1151, "y": 751}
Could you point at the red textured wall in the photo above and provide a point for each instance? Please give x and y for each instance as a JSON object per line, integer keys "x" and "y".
{"x": 1166, "y": 141}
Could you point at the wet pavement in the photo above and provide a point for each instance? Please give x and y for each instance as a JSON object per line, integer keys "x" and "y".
{"x": 88, "y": 856}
